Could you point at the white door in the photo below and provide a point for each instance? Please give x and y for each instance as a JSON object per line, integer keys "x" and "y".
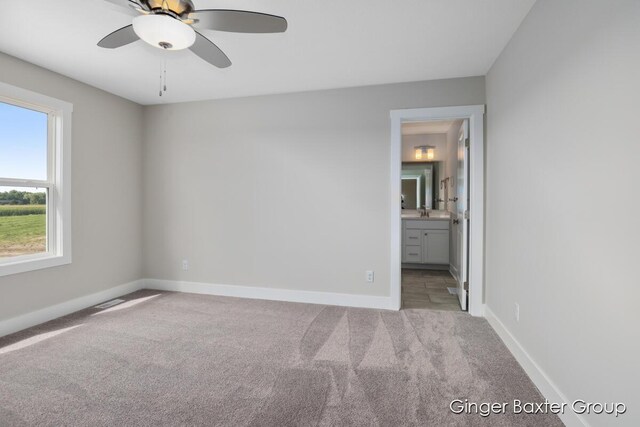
{"x": 462, "y": 203}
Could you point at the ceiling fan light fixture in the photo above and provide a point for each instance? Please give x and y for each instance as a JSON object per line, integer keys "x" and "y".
{"x": 164, "y": 32}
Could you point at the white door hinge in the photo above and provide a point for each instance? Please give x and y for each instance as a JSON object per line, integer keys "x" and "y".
{"x": 466, "y": 214}
{"x": 466, "y": 143}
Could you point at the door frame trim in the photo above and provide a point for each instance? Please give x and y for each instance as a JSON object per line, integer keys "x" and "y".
{"x": 475, "y": 115}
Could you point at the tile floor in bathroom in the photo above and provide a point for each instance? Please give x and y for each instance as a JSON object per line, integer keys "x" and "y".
{"x": 428, "y": 289}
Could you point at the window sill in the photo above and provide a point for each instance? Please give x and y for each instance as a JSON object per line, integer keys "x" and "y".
{"x": 27, "y": 263}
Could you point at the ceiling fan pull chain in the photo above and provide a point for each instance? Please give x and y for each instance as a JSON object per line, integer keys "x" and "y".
{"x": 165, "y": 75}
{"x": 160, "y": 91}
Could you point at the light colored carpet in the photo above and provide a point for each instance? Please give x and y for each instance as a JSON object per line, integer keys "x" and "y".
{"x": 183, "y": 359}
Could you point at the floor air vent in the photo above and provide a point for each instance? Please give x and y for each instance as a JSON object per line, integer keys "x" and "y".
{"x": 109, "y": 303}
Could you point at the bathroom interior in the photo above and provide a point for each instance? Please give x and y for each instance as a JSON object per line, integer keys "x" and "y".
{"x": 433, "y": 180}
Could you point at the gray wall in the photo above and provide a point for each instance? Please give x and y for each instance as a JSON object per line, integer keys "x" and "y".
{"x": 312, "y": 210}
{"x": 562, "y": 143}
{"x": 106, "y": 194}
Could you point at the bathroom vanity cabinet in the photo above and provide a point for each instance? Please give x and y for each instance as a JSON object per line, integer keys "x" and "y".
{"x": 425, "y": 241}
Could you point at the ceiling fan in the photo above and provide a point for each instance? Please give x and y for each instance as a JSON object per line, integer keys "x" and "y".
{"x": 175, "y": 25}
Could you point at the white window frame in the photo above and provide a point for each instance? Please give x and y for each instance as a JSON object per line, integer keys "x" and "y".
{"x": 58, "y": 182}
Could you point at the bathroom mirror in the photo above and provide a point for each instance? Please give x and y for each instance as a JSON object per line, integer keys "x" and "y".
{"x": 421, "y": 185}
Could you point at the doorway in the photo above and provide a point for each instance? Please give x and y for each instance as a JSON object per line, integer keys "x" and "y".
{"x": 432, "y": 239}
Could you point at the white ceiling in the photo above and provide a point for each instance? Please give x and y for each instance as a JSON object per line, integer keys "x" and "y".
{"x": 426, "y": 128}
{"x": 329, "y": 44}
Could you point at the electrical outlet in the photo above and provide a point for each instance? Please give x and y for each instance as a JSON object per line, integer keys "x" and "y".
{"x": 185, "y": 264}
{"x": 517, "y": 313}
{"x": 369, "y": 275}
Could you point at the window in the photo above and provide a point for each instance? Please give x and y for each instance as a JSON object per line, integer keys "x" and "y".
{"x": 35, "y": 204}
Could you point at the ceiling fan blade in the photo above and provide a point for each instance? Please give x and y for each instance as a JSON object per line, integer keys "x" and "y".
{"x": 238, "y": 21}
{"x": 205, "y": 49}
{"x": 132, "y": 7}
{"x": 118, "y": 38}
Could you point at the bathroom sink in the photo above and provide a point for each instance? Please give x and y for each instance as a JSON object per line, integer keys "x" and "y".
{"x": 432, "y": 215}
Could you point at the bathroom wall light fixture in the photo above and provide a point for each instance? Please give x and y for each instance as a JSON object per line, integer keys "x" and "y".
{"x": 425, "y": 152}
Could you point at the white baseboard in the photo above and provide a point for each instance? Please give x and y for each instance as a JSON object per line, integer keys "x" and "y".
{"x": 43, "y": 315}
{"x": 18, "y": 323}
{"x": 454, "y": 273}
{"x": 273, "y": 294}
{"x": 546, "y": 386}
